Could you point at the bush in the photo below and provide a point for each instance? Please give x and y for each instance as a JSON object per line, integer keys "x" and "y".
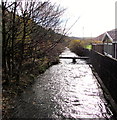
{"x": 77, "y": 46}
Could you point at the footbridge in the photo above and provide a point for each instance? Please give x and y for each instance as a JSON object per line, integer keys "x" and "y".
{"x": 74, "y": 58}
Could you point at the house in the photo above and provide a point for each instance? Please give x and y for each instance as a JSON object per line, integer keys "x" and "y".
{"x": 109, "y": 40}
{"x": 109, "y": 43}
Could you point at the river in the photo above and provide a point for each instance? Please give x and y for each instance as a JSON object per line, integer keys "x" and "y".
{"x": 65, "y": 90}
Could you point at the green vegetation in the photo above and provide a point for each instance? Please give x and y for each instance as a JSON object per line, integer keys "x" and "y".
{"x": 88, "y": 47}
{"x": 78, "y": 46}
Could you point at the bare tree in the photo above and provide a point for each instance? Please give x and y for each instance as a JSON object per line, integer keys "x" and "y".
{"x": 29, "y": 29}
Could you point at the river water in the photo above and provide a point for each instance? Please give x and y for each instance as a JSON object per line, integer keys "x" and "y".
{"x": 65, "y": 90}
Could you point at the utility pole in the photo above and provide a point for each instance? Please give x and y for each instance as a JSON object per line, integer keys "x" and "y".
{"x": 83, "y": 32}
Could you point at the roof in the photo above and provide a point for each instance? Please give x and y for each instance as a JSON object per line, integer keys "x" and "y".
{"x": 112, "y": 34}
{"x": 99, "y": 38}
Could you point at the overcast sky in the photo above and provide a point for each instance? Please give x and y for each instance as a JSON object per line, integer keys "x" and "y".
{"x": 96, "y": 16}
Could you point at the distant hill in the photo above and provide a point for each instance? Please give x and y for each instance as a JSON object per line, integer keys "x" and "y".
{"x": 80, "y": 38}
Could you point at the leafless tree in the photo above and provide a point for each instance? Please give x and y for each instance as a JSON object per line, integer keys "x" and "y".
{"x": 29, "y": 29}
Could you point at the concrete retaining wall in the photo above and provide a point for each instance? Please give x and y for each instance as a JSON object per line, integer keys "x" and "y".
{"x": 106, "y": 68}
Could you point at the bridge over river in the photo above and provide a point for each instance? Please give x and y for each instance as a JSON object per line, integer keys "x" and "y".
{"x": 65, "y": 90}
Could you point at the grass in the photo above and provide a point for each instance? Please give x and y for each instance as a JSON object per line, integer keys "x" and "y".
{"x": 88, "y": 47}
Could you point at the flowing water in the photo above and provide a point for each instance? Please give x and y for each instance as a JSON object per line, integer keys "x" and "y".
{"x": 66, "y": 90}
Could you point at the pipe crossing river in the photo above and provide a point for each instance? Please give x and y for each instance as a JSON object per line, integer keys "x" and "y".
{"x": 65, "y": 91}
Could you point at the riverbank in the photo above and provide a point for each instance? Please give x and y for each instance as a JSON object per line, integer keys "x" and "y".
{"x": 27, "y": 79}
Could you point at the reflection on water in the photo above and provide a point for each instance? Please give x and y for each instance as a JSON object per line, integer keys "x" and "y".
{"x": 69, "y": 90}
